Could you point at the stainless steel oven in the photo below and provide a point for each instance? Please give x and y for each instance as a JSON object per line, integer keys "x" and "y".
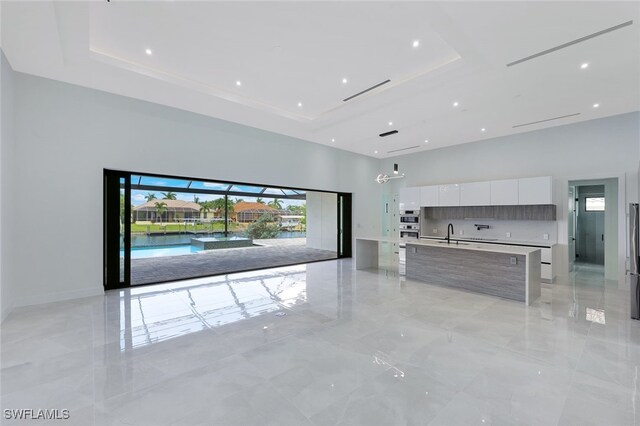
{"x": 411, "y": 231}
{"x": 410, "y": 217}
{"x": 409, "y": 234}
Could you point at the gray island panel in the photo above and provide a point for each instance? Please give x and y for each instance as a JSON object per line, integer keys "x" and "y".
{"x": 481, "y": 271}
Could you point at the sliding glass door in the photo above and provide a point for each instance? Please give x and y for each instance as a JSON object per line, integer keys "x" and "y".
{"x": 160, "y": 228}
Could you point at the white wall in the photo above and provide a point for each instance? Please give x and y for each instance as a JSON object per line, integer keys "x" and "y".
{"x": 7, "y": 170}
{"x": 66, "y": 135}
{"x": 322, "y": 220}
{"x": 596, "y": 149}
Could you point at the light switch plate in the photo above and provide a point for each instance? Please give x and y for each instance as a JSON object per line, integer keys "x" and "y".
{"x": 461, "y": 232}
{"x": 508, "y": 234}
{"x": 435, "y": 230}
{"x": 545, "y": 236}
{"x": 514, "y": 260}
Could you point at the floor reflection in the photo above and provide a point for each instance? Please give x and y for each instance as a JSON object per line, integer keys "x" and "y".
{"x": 154, "y": 314}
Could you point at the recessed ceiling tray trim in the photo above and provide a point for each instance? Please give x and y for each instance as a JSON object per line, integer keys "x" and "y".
{"x": 570, "y": 43}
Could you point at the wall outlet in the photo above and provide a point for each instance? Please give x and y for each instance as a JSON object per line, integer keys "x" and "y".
{"x": 461, "y": 232}
{"x": 545, "y": 236}
{"x": 508, "y": 234}
{"x": 435, "y": 230}
{"x": 514, "y": 260}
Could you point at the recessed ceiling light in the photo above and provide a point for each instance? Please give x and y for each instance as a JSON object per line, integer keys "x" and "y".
{"x": 391, "y": 123}
{"x": 584, "y": 66}
{"x": 416, "y": 43}
{"x": 596, "y": 105}
{"x": 333, "y": 140}
{"x": 375, "y": 152}
{"x": 148, "y": 52}
{"x": 455, "y": 104}
{"x": 299, "y": 104}
{"x": 483, "y": 130}
{"x": 426, "y": 141}
{"x": 344, "y": 80}
{"x": 238, "y": 83}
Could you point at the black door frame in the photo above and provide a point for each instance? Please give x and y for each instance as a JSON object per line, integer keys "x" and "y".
{"x": 111, "y": 230}
{"x": 344, "y": 225}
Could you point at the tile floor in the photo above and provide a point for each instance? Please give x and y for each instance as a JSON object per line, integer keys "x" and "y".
{"x": 267, "y": 253}
{"x": 323, "y": 344}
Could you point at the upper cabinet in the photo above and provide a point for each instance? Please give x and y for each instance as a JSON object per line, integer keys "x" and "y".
{"x": 410, "y": 198}
{"x": 504, "y": 192}
{"x": 536, "y": 190}
{"x": 429, "y": 196}
{"x": 449, "y": 195}
{"x": 510, "y": 192}
{"x": 475, "y": 194}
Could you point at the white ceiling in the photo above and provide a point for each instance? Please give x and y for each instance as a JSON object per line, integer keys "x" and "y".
{"x": 284, "y": 53}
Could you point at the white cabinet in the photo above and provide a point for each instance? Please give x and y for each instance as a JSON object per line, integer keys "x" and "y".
{"x": 449, "y": 195}
{"x": 429, "y": 196}
{"x": 535, "y": 190}
{"x": 410, "y": 198}
{"x": 475, "y": 194}
{"x": 547, "y": 267}
{"x": 504, "y": 192}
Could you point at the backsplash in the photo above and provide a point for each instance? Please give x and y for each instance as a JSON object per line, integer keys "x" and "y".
{"x": 520, "y": 230}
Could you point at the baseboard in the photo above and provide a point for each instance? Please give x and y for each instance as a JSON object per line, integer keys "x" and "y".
{"x": 57, "y": 297}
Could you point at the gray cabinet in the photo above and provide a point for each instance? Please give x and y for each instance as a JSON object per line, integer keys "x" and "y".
{"x": 535, "y": 212}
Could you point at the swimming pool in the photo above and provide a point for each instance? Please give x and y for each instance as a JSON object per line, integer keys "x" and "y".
{"x": 145, "y": 246}
{"x": 160, "y": 240}
{"x": 160, "y": 251}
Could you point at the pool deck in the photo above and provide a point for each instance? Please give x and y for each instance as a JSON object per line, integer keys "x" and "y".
{"x": 268, "y": 253}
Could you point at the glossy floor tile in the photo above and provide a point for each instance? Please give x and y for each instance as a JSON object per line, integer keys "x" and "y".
{"x": 324, "y": 344}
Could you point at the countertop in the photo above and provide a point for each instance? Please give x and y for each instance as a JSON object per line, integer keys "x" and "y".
{"x": 547, "y": 243}
{"x": 477, "y": 246}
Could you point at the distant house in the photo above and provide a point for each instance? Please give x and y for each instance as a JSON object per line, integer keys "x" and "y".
{"x": 175, "y": 211}
{"x": 249, "y": 212}
{"x": 290, "y": 222}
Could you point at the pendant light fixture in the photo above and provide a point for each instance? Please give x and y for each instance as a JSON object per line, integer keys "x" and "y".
{"x": 384, "y": 178}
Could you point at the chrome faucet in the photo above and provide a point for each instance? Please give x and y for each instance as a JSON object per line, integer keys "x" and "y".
{"x": 449, "y": 232}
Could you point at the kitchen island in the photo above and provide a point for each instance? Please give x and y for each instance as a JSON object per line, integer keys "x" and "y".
{"x": 511, "y": 272}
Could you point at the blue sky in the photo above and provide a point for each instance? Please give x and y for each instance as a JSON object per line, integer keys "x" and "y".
{"x": 138, "y": 197}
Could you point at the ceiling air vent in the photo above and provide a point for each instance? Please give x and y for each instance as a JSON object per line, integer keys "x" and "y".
{"x": 571, "y": 43}
{"x": 393, "y": 132}
{"x": 548, "y": 119}
{"x": 403, "y": 149}
{"x": 366, "y": 90}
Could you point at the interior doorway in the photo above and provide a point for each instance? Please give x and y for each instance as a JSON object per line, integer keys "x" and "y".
{"x": 590, "y": 232}
{"x": 592, "y": 225}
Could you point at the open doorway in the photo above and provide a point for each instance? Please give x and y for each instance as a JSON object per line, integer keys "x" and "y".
{"x": 160, "y": 228}
{"x": 592, "y": 224}
{"x": 590, "y": 232}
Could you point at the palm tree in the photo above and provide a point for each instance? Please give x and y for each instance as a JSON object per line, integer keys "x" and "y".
{"x": 161, "y": 207}
{"x": 169, "y": 195}
{"x": 150, "y": 196}
{"x": 205, "y": 207}
{"x": 196, "y": 199}
{"x": 276, "y": 204}
{"x": 260, "y": 200}
{"x": 218, "y": 204}
{"x": 239, "y": 200}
